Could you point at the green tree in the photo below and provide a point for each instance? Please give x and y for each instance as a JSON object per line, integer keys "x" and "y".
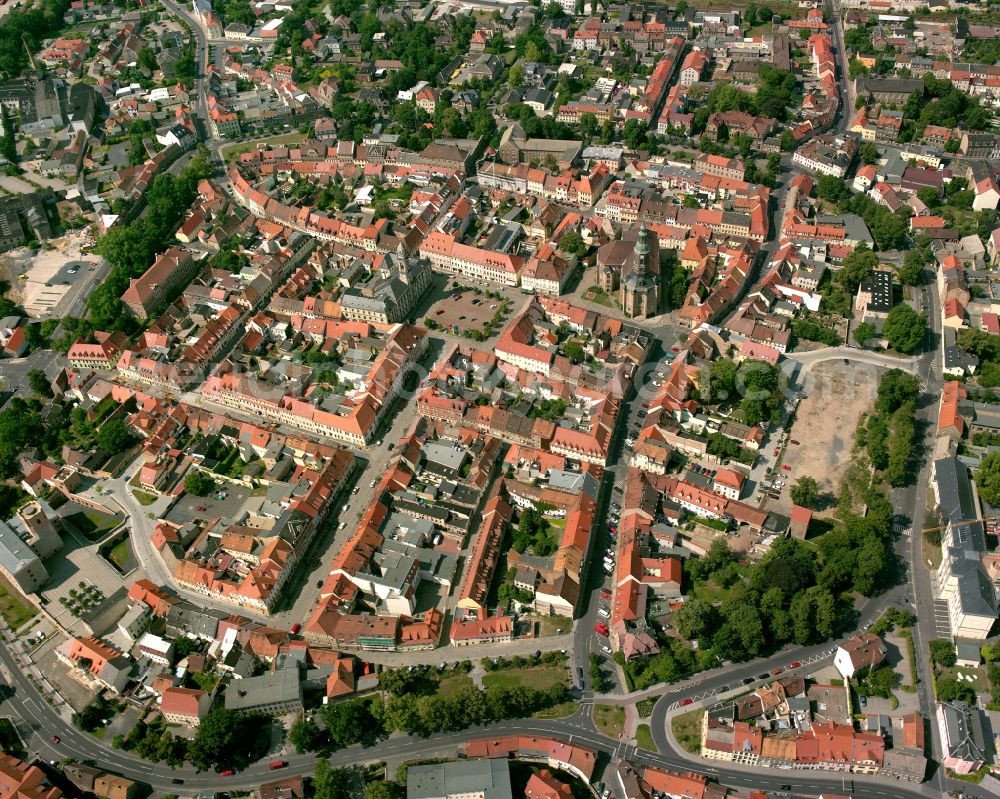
{"x": 911, "y": 273}
{"x": 831, "y": 188}
{"x": 868, "y": 153}
{"x": 351, "y": 722}
{"x": 572, "y": 243}
{"x": 722, "y": 378}
{"x": 988, "y": 478}
{"x": 695, "y": 619}
{"x": 198, "y": 483}
{"x": 905, "y": 329}
{"x": 864, "y": 332}
{"x": 895, "y": 389}
{"x": 805, "y": 491}
{"x": 857, "y": 268}
{"x": 114, "y": 437}
{"x": 332, "y": 783}
{"x": 384, "y": 789}
{"x": 950, "y": 689}
{"x": 306, "y": 736}
{"x": 229, "y": 739}
{"x": 39, "y": 383}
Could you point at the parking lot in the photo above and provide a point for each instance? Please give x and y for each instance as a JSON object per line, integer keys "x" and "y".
{"x": 54, "y": 283}
{"x": 464, "y": 310}
{"x": 229, "y": 502}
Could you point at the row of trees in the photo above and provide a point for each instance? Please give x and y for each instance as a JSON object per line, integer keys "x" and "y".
{"x": 415, "y": 712}
{"x": 130, "y": 249}
{"x": 226, "y": 739}
{"x": 889, "y": 434}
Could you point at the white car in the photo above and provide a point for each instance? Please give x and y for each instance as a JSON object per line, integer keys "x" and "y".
{"x": 606, "y": 649}
{"x": 372, "y": 483}
{"x": 604, "y": 613}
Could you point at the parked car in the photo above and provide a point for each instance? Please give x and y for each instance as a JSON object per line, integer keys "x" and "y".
{"x": 295, "y": 628}
{"x": 605, "y": 593}
{"x": 777, "y": 670}
{"x": 604, "y": 613}
{"x": 795, "y": 665}
{"x": 606, "y": 650}
{"x": 796, "y": 443}
{"x": 686, "y": 701}
{"x": 601, "y": 629}
{"x": 775, "y": 453}
{"x": 747, "y": 680}
{"x": 278, "y": 764}
{"x": 772, "y": 495}
{"x": 226, "y": 772}
{"x": 787, "y": 468}
{"x": 55, "y": 739}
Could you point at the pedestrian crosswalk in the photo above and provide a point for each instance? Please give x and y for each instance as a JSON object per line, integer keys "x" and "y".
{"x": 900, "y": 528}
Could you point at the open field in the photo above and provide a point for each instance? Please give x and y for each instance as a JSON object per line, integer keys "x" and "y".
{"x": 824, "y": 424}
{"x": 609, "y": 720}
{"x": 541, "y": 677}
{"x": 687, "y": 730}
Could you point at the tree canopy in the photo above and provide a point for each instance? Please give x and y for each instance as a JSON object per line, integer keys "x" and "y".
{"x": 905, "y": 329}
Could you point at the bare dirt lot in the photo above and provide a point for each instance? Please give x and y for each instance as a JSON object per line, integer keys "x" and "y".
{"x": 824, "y": 426}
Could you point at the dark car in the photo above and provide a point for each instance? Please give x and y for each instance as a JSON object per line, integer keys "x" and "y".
{"x": 390, "y": 447}
{"x": 581, "y": 684}
{"x": 763, "y": 676}
{"x": 747, "y": 680}
{"x": 177, "y": 781}
{"x": 579, "y": 672}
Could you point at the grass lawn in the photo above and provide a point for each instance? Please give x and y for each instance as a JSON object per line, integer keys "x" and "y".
{"x": 541, "y": 677}
{"x": 554, "y": 625}
{"x": 120, "y": 554}
{"x": 447, "y": 686}
{"x": 644, "y": 738}
{"x": 13, "y": 607}
{"x": 231, "y": 151}
{"x": 143, "y": 498}
{"x": 609, "y": 719}
{"x": 556, "y": 711}
{"x": 981, "y": 683}
{"x": 598, "y": 295}
{"x": 687, "y": 730}
{"x": 91, "y": 524}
